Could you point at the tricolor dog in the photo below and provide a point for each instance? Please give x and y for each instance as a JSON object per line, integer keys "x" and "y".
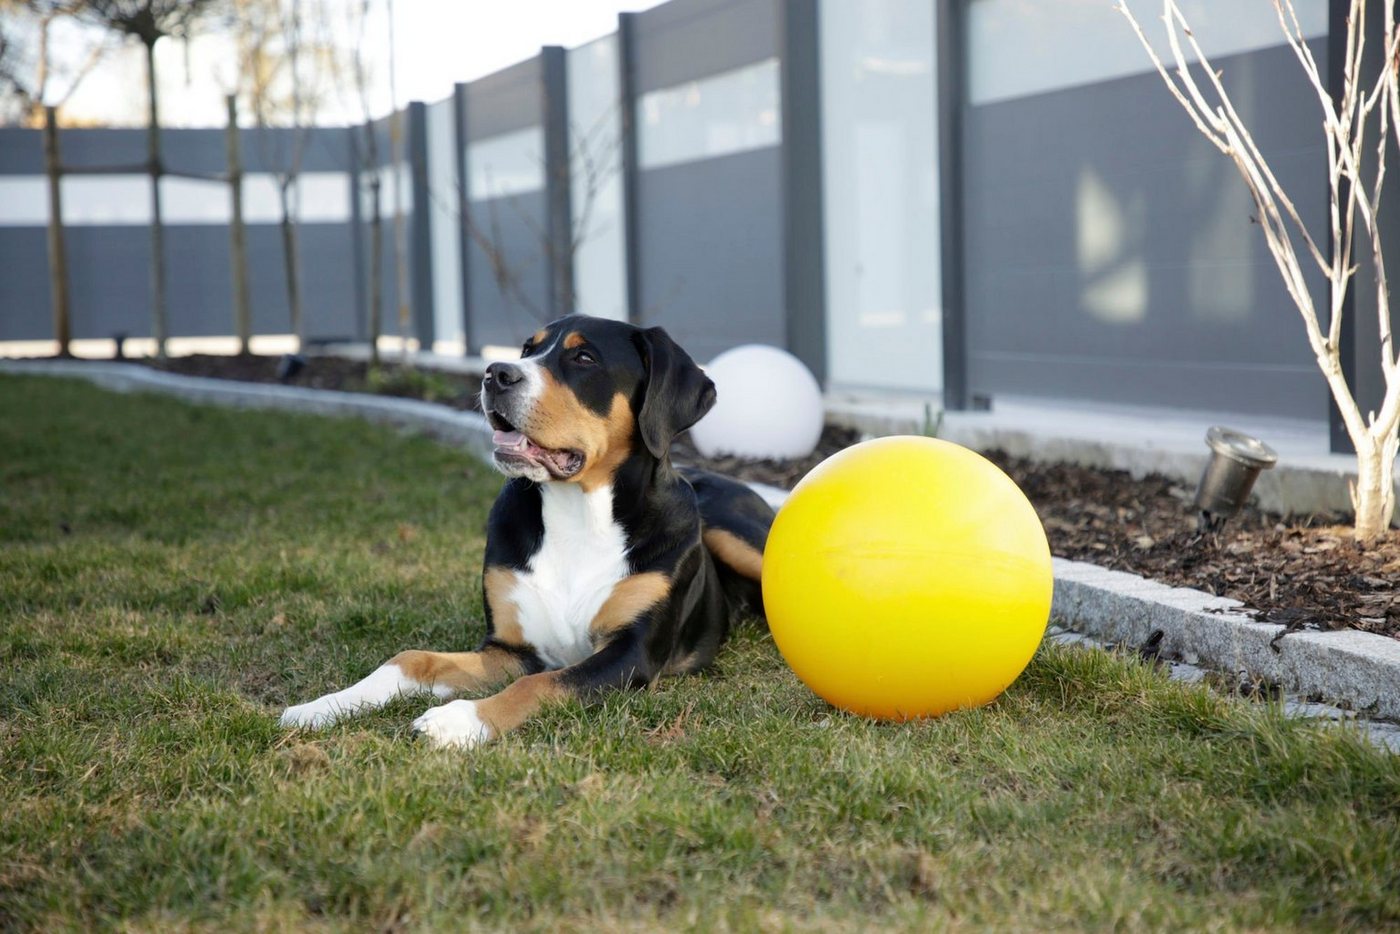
{"x": 606, "y": 567}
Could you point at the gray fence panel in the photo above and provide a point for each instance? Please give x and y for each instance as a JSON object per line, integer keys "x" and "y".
{"x": 1216, "y": 329}
{"x": 505, "y": 101}
{"x": 516, "y": 224}
{"x": 24, "y": 284}
{"x": 688, "y": 39}
{"x": 710, "y": 246}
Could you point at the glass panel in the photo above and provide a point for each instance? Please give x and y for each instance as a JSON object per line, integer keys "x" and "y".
{"x": 1021, "y": 47}
{"x": 509, "y": 164}
{"x": 730, "y": 112}
{"x": 880, "y": 168}
{"x": 595, "y": 163}
{"x": 442, "y": 221}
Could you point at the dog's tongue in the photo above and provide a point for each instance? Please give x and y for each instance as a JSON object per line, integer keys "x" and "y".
{"x": 510, "y": 440}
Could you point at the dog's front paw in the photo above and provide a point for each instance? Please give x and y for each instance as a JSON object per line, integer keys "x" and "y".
{"x": 454, "y": 724}
{"x": 313, "y": 715}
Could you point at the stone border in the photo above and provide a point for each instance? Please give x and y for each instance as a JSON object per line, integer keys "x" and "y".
{"x": 1360, "y": 670}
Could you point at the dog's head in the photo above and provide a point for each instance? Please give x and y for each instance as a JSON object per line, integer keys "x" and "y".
{"x": 587, "y": 395}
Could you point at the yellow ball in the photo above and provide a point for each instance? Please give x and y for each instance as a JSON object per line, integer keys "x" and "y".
{"x": 907, "y": 577}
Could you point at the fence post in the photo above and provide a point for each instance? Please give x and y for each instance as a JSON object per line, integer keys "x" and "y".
{"x": 460, "y": 173}
{"x": 421, "y": 252}
{"x": 357, "y": 232}
{"x": 237, "y": 235}
{"x": 804, "y": 240}
{"x": 557, "y": 180}
{"x": 58, "y": 255}
{"x": 160, "y": 323}
{"x": 950, "y": 70}
{"x": 627, "y": 106}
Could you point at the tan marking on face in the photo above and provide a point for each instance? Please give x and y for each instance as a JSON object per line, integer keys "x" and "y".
{"x": 497, "y": 583}
{"x": 575, "y": 339}
{"x": 460, "y": 671}
{"x": 559, "y": 420}
{"x": 630, "y": 597}
{"x": 733, "y": 552}
{"x": 539, "y": 337}
{"x": 519, "y": 702}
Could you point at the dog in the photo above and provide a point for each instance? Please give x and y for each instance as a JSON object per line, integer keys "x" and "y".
{"x": 606, "y": 567}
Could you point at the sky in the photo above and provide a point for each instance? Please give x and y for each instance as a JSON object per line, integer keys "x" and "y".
{"x": 439, "y": 42}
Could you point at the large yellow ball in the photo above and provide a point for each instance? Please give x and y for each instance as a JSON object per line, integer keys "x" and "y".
{"x": 907, "y": 577}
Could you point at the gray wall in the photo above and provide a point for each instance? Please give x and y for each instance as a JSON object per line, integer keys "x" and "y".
{"x": 514, "y": 225}
{"x": 110, "y": 264}
{"x": 1216, "y": 330}
{"x": 709, "y": 235}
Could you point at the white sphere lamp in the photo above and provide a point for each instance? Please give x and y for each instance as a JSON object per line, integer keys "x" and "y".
{"x": 769, "y": 406}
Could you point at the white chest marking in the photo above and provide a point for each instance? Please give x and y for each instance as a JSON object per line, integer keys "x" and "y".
{"x": 584, "y": 553}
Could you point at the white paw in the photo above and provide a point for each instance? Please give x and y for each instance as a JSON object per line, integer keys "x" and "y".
{"x": 314, "y": 715}
{"x": 454, "y": 724}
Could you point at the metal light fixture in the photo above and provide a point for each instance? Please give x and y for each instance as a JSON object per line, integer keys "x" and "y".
{"x": 289, "y": 366}
{"x": 1235, "y": 462}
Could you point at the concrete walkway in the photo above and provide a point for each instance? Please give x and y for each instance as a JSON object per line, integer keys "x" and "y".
{"x": 1138, "y": 439}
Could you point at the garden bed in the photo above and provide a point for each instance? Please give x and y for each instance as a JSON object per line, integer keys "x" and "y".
{"x": 1302, "y": 571}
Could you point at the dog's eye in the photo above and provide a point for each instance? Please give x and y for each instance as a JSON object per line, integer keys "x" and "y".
{"x": 525, "y": 350}
{"x": 585, "y": 358}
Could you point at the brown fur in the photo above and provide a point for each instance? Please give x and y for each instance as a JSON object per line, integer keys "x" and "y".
{"x": 539, "y": 336}
{"x": 573, "y": 340}
{"x": 733, "y": 552}
{"x": 505, "y": 624}
{"x": 630, "y": 597}
{"x": 460, "y": 671}
{"x": 560, "y": 420}
{"x": 505, "y": 711}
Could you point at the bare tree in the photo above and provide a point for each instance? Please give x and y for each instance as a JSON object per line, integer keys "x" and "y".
{"x": 353, "y": 73}
{"x": 1355, "y": 183}
{"x": 33, "y": 74}
{"x": 149, "y": 21}
{"x": 286, "y": 50}
{"x": 594, "y": 159}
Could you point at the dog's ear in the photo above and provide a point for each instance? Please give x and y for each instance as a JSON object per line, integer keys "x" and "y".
{"x": 677, "y": 393}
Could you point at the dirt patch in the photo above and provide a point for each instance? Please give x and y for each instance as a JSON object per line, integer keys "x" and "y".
{"x": 457, "y": 390}
{"x": 1302, "y": 571}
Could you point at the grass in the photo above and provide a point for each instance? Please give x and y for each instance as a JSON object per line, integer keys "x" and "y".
{"x": 171, "y": 576}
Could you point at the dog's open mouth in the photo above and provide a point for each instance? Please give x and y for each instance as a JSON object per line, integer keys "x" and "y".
{"x": 512, "y": 447}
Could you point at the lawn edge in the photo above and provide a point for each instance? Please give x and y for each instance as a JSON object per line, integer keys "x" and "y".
{"x": 1357, "y": 669}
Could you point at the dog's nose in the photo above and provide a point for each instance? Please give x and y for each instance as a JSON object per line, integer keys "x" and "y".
{"x": 501, "y": 376}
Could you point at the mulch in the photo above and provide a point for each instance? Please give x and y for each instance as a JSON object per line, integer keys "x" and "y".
{"x": 1305, "y": 572}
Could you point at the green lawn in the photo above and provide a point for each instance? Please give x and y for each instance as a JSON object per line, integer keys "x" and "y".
{"x": 171, "y": 576}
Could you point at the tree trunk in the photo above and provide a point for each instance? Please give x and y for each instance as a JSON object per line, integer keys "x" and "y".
{"x": 238, "y": 241}
{"x": 158, "y": 318}
{"x": 1374, "y": 493}
{"x": 290, "y": 266}
{"x": 376, "y": 268}
{"x": 58, "y": 255}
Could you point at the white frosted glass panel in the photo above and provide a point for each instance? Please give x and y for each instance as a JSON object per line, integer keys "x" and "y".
{"x": 731, "y": 112}
{"x": 24, "y": 201}
{"x": 386, "y": 192}
{"x": 880, "y": 180}
{"x": 1021, "y": 47}
{"x": 317, "y": 198}
{"x": 509, "y": 164}
{"x": 443, "y": 223}
{"x": 595, "y": 150}
{"x": 120, "y": 200}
